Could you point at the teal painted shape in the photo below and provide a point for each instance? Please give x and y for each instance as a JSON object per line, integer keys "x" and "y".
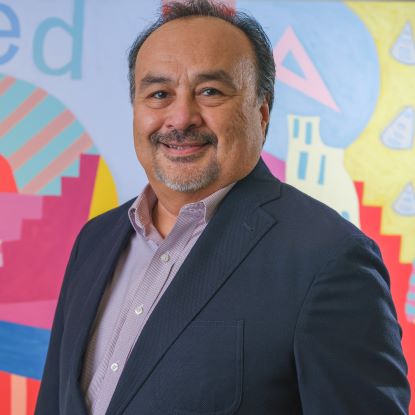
{"x": 411, "y": 296}
{"x": 302, "y": 165}
{"x": 410, "y": 309}
{"x": 31, "y": 125}
{"x": 54, "y": 187}
{"x": 292, "y": 65}
{"x": 322, "y": 172}
{"x": 14, "y": 97}
{"x": 308, "y": 133}
{"x": 48, "y": 154}
{"x": 92, "y": 150}
{"x": 296, "y": 128}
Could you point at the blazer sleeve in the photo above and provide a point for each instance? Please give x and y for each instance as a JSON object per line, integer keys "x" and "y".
{"x": 347, "y": 343}
{"x": 48, "y": 398}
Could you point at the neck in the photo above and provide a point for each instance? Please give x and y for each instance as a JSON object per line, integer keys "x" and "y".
{"x": 163, "y": 219}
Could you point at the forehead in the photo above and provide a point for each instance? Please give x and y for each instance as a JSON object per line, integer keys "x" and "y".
{"x": 202, "y": 42}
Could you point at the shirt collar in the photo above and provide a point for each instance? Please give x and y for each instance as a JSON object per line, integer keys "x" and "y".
{"x": 140, "y": 212}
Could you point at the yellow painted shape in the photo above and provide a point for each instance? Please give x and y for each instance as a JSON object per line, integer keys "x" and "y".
{"x": 385, "y": 171}
{"x": 18, "y": 395}
{"x": 105, "y": 193}
{"x": 337, "y": 189}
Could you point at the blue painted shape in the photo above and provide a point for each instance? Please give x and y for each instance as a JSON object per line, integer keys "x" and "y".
{"x": 411, "y": 296}
{"x": 74, "y": 66}
{"x": 23, "y": 349}
{"x": 322, "y": 172}
{"x": 49, "y": 153}
{"x": 345, "y": 214}
{"x": 296, "y": 128}
{"x": 291, "y": 63}
{"x": 12, "y": 32}
{"x": 302, "y": 165}
{"x": 348, "y": 65}
{"x": 410, "y": 309}
{"x": 308, "y": 133}
{"x": 31, "y": 125}
{"x": 14, "y": 97}
{"x": 54, "y": 186}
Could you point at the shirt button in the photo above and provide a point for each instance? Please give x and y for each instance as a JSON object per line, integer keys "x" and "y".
{"x": 114, "y": 367}
{"x": 138, "y": 310}
{"x": 165, "y": 257}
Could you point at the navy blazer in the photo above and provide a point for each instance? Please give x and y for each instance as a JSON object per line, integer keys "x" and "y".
{"x": 282, "y": 307}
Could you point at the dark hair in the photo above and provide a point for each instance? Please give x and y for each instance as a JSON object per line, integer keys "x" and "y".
{"x": 259, "y": 40}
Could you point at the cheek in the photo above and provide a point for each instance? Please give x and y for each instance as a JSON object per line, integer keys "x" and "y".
{"x": 146, "y": 122}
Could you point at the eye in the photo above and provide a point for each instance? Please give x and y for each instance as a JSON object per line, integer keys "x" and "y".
{"x": 208, "y": 92}
{"x": 159, "y": 95}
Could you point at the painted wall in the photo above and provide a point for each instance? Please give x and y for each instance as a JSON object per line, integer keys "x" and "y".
{"x": 342, "y": 130}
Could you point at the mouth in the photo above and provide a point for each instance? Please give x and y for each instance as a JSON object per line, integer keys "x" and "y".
{"x": 177, "y": 150}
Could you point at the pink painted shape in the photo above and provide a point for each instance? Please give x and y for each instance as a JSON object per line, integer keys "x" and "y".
{"x": 14, "y": 208}
{"x": 312, "y": 85}
{"x": 41, "y": 139}
{"x": 276, "y": 165}
{"x": 37, "y": 96}
{"x": 35, "y": 313}
{"x": 6, "y": 83}
{"x": 58, "y": 165}
{"x": 34, "y": 266}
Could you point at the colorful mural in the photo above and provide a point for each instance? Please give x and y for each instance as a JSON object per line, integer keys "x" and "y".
{"x": 52, "y": 182}
{"x": 343, "y": 131}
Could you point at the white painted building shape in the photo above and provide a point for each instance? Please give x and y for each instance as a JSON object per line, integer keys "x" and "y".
{"x": 318, "y": 169}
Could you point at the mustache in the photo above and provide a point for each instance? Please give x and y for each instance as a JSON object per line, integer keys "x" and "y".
{"x": 188, "y": 137}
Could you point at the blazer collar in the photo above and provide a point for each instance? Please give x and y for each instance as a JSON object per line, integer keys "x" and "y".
{"x": 241, "y": 223}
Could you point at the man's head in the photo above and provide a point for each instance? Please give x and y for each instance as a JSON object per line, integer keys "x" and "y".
{"x": 202, "y": 84}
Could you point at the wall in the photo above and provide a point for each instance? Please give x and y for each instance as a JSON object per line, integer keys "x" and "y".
{"x": 342, "y": 130}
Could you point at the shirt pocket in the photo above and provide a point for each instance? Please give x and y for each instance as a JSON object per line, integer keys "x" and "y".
{"x": 202, "y": 371}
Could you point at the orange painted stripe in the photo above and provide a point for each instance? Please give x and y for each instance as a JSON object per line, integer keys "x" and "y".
{"x": 37, "y": 96}
{"x": 6, "y": 83}
{"x": 18, "y": 395}
{"x": 32, "y": 393}
{"x": 5, "y": 393}
{"x": 55, "y": 127}
{"x": 58, "y": 165}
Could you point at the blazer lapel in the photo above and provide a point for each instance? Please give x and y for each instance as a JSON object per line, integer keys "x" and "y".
{"x": 89, "y": 294}
{"x": 236, "y": 227}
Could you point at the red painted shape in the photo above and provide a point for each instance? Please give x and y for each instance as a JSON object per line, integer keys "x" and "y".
{"x": 390, "y": 246}
{"x": 6, "y": 391}
{"x": 32, "y": 392}
{"x": 34, "y": 266}
{"x": 7, "y": 182}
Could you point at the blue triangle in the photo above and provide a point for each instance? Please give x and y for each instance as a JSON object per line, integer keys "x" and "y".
{"x": 291, "y": 64}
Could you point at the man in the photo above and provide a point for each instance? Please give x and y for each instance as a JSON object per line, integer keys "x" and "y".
{"x": 220, "y": 290}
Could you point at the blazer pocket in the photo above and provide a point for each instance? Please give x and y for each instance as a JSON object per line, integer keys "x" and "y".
{"x": 202, "y": 371}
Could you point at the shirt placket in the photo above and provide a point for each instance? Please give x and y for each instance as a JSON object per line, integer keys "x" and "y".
{"x": 138, "y": 305}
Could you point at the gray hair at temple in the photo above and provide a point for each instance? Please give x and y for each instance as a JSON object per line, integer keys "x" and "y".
{"x": 265, "y": 66}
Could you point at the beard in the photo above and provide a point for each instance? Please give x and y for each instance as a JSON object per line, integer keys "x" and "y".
{"x": 183, "y": 175}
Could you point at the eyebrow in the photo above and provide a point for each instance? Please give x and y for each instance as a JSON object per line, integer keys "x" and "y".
{"x": 219, "y": 75}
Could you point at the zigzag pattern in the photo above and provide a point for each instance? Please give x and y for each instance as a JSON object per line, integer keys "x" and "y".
{"x": 390, "y": 246}
{"x": 34, "y": 265}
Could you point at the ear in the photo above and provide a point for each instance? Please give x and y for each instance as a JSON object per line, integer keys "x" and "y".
{"x": 265, "y": 115}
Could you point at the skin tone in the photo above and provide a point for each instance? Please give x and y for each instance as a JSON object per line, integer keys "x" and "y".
{"x": 198, "y": 123}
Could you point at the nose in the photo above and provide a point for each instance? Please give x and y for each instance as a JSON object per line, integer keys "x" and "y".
{"x": 184, "y": 113}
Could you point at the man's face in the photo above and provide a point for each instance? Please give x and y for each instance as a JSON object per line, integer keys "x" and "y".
{"x": 198, "y": 123}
